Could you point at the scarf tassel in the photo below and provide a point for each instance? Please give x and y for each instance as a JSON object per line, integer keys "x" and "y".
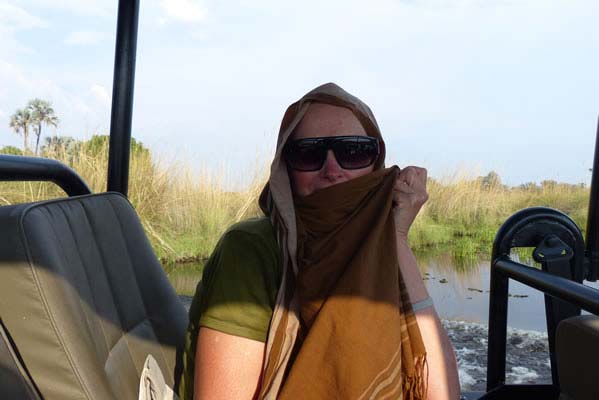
{"x": 415, "y": 387}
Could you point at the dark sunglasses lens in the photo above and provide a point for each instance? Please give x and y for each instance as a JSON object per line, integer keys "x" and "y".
{"x": 306, "y": 156}
{"x": 356, "y": 153}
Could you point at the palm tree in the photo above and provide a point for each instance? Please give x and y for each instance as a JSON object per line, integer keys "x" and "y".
{"x": 42, "y": 113}
{"x": 20, "y": 122}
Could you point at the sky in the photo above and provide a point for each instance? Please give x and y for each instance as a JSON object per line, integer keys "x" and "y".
{"x": 457, "y": 86}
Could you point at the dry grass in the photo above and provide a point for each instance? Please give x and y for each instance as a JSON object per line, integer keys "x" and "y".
{"x": 466, "y": 214}
{"x": 184, "y": 214}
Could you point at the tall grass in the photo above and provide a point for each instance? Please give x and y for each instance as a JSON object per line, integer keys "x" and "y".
{"x": 185, "y": 213}
{"x": 465, "y": 213}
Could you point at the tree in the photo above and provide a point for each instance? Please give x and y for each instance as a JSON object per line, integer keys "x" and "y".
{"x": 11, "y": 150}
{"x": 548, "y": 184}
{"x": 97, "y": 143}
{"x": 492, "y": 180}
{"x": 42, "y": 113}
{"x": 61, "y": 146}
{"x": 529, "y": 186}
{"x": 54, "y": 143}
{"x": 20, "y": 122}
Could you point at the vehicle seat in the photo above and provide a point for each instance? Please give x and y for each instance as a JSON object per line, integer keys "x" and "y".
{"x": 577, "y": 352}
{"x": 84, "y": 298}
{"x": 14, "y": 380}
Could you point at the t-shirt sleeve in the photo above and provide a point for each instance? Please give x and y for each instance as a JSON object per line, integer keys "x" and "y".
{"x": 239, "y": 286}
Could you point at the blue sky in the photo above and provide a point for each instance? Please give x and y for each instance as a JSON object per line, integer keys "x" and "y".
{"x": 457, "y": 85}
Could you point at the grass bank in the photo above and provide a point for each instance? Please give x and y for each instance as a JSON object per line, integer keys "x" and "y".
{"x": 184, "y": 213}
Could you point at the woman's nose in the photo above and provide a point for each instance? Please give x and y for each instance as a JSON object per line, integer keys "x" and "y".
{"x": 331, "y": 167}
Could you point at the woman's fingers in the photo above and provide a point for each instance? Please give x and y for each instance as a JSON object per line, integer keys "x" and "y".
{"x": 410, "y": 187}
{"x": 413, "y": 176}
{"x": 404, "y": 187}
{"x": 407, "y": 195}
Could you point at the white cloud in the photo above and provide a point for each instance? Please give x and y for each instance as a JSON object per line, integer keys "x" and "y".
{"x": 85, "y": 38}
{"x": 97, "y": 8}
{"x": 15, "y": 18}
{"x": 101, "y": 94}
{"x": 463, "y": 4}
{"x": 12, "y": 77}
{"x": 80, "y": 105}
{"x": 185, "y": 10}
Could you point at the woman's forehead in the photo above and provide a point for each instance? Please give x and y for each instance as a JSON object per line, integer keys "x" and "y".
{"x": 328, "y": 120}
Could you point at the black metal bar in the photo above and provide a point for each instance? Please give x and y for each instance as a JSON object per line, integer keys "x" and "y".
{"x": 498, "y": 303}
{"x": 22, "y": 168}
{"x": 592, "y": 238}
{"x": 555, "y": 257}
{"x": 556, "y": 310}
{"x": 551, "y": 233}
{"x": 576, "y": 293}
{"x": 522, "y": 392}
{"x": 122, "y": 96}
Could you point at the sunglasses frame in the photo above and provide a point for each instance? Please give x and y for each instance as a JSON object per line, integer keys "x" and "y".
{"x": 328, "y": 143}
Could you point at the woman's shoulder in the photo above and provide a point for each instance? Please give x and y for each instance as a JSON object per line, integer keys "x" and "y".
{"x": 249, "y": 247}
{"x": 260, "y": 227}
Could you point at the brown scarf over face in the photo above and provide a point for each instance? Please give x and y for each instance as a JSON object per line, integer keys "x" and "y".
{"x": 343, "y": 326}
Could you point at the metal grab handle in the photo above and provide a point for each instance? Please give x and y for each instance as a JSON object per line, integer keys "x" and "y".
{"x": 23, "y": 168}
{"x": 592, "y": 242}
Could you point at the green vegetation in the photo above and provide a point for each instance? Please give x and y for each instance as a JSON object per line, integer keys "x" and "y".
{"x": 12, "y": 150}
{"x": 185, "y": 214}
{"x": 463, "y": 214}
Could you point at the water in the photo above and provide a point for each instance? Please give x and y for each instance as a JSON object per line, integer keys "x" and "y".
{"x": 464, "y": 296}
{"x": 461, "y": 297}
{"x": 527, "y": 355}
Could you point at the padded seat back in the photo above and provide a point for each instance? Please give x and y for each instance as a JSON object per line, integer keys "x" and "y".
{"x": 84, "y": 298}
{"x": 14, "y": 380}
{"x": 577, "y": 352}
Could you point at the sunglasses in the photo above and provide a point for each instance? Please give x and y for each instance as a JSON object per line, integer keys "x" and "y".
{"x": 351, "y": 152}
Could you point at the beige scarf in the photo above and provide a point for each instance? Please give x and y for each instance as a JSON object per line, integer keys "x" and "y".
{"x": 342, "y": 326}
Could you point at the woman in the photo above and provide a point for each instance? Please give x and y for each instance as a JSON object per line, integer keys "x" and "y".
{"x": 323, "y": 299}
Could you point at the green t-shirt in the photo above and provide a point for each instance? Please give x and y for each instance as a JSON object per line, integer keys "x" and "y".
{"x": 237, "y": 292}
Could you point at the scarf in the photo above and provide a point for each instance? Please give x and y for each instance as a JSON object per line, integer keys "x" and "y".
{"x": 342, "y": 326}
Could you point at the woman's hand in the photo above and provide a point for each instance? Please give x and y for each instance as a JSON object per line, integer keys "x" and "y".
{"x": 409, "y": 194}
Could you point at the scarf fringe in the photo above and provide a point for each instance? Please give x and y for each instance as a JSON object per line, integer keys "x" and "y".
{"x": 415, "y": 387}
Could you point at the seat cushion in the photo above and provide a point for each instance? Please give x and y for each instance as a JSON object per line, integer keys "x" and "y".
{"x": 577, "y": 352}
{"x": 84, "y": 297}
{"x": 14, "y": 379}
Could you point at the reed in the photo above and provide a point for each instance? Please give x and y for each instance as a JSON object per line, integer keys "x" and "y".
{"x": 465, "y": 213}
{"x": 184, "y": 213}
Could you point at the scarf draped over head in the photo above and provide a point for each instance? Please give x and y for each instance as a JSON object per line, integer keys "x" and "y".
{"x": 342, "y": 326}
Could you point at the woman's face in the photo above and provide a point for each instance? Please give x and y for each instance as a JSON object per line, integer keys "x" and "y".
{"x": 323, "y": 120}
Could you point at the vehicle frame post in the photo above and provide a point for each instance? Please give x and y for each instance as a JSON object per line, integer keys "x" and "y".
{"x": 122, "y": 96}
{"x": 592, "y": 237}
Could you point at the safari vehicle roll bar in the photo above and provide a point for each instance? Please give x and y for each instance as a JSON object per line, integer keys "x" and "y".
{"x": 592, "y": 238}
{"x": 122, "y": 96}
{"x": 565, "y": 262}
{"x": 23, "y": 168}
